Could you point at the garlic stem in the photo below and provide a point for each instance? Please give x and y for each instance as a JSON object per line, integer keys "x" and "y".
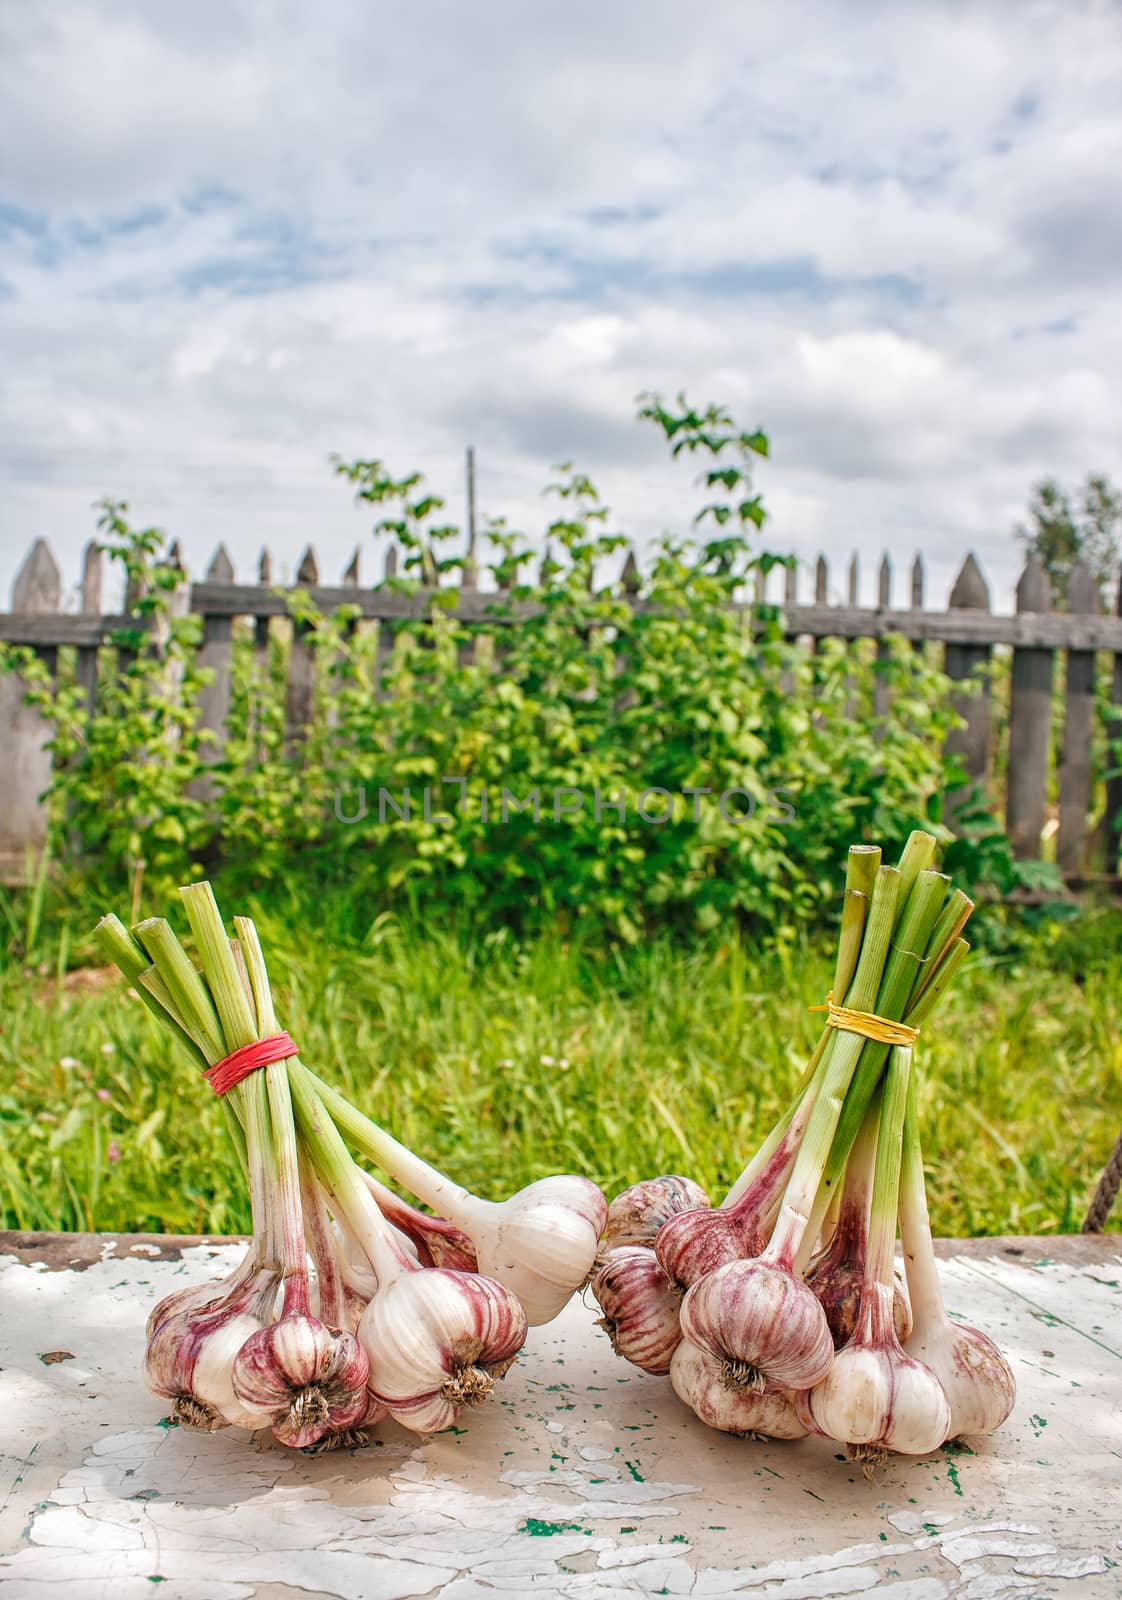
{"x": 341, "y": 1178}
{"x": 862, "y": 863}
{"x": 953, "y": 918}
{"x": 122, "y": 949}
{"x": 393, "y": 1157}
{"x": 916, "y": 857}
{"x": 926, "y": 1291}
{"x": 884, "y": 1204}
{"x": 847, "y": 1248}
{"x": 932, "y": 991}
{"x": 187, "y": 1010}
{"x": 323, "y": 1247}
{"x": 235, "y": 1012}
{"x": 188, "y": 992}
{"x": 858, "y": 1072}
{"x": 814, "y": 1150}
{"x": 282, "y": 1142}
{"x": 796, "y": 1116}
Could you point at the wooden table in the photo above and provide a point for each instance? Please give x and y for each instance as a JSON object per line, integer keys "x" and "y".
{"x": 583, "y": 1478}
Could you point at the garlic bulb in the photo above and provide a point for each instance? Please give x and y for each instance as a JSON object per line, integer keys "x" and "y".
{"x": 876, "y": 1398}
{"x": 541, "y": 1243}
{"x": 436, "y": 1340}
{"x": 196, "y": 1299}
{"x": 640, "y": 1307}
{"x": 189, "y": 1361}
{"x": 693, "y": 1243}
{"x": 975, "y": 1376}
{"x": 306, "y": 1377}
{"x": 212, "y": 1382}
{"x": 761, "y": 1324}
{"x": 698, "y": 1380}
{"x": 637, "y": 1213}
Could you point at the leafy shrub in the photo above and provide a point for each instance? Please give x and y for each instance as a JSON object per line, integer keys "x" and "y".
{"x": 747, "y": 763}
{"x": 124, "y": 760}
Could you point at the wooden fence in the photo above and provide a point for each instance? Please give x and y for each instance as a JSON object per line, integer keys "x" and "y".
{"x": 967, "y": 632}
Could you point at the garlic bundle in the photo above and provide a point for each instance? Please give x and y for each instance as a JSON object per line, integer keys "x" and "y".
{"x": 874, "y": 1397}
{"x": 837, "y": 1273}
{"x": 351, "y": 1303}
{"x": 791, "y": 1314}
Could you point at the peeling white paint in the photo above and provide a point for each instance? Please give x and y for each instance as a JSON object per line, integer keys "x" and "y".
{"x": 580, "y": 1486}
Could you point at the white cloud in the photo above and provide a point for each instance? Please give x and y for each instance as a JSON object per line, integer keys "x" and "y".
{"x": 240, "y": 236}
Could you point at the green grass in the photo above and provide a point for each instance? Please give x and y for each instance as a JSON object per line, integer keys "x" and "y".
{"x": 503, "y": 1062}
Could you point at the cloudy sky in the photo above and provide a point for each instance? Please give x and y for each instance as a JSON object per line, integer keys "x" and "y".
{"x": 239, "y": 235}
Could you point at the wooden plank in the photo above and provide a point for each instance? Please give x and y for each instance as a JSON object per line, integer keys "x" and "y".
{"x": 629, "y": 579}
{"x": 85, "y": 666}
{"x": 1113, "y": 817}
{"x": 884, "y": 602}
{"x": 1079, "y": 714}
{"x": 1052, "y": 631}
{"x": 853, "y": 579}
{"x": 960, "y": 663}
{"x": 821, "y": 591}
{"x": 790, "y": 600}
{"x": 26, "y": 769}
{"x": 216, "y": 653}
{"x": 918, "y": 580}
{"x": 300, "y": 689}
{"x": 92, "y": 571}
{"x": 1057, "y": 631}
{"x": 261, "y": 624}
{"x": 1030, "y": 725}
{"x": 386, "y": 634}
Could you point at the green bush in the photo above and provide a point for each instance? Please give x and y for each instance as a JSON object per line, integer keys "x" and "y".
{"x": 746, "y": 763}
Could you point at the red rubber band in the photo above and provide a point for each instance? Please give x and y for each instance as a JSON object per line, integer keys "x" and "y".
{"x": 261, "y": 1053}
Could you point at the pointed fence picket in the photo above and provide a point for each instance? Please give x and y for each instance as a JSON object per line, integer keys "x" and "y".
{"x": 1112, "y": 829}
{"x": 969, "y": 664}
{"x": 1030, "y": 723}
{"x": 301, "y": 660}
{"x": 967, "y": 633}
{"x": 25, "y": 763}
{"x": 1078, "y": 734}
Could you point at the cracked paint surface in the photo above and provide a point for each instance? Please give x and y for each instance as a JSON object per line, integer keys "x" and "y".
{"x": 585, "y": 1479}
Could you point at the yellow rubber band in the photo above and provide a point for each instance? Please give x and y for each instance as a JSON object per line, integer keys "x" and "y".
{"x": 881, "y": 1029}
